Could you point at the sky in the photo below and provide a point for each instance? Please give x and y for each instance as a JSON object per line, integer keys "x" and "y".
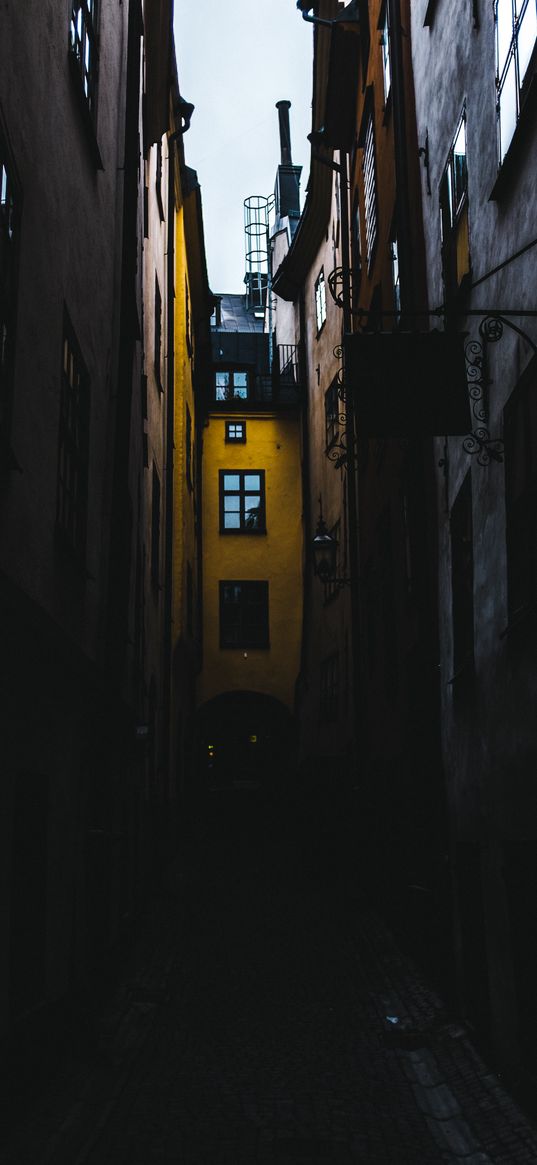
{"x": 236, "y": 59}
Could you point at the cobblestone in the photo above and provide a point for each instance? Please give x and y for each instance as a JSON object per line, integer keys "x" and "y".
{"x": 253, "y": 1030}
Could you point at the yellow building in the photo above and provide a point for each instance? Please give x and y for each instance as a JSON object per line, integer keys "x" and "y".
{"x": 192, "y": 307}
{"x": 252, "y": 552}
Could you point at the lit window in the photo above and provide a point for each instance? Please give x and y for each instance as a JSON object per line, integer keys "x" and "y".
{"x": 83, "y": 46}
{"x": 73, "y": 445}
{"x": 236, "y": 432}
{"x": 320, "y": 300}
{"x": 242, "y": 501}
{"x": 244, "y": 614}
{"x": 370, "y": 188}
{"x": 516, "y": 32}
{"x": 385, "y": 48}
{"x": 454, "y": 213}
{"x": 231, "y": 385}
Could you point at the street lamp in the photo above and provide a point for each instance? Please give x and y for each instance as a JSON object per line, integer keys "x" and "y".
{"x": 324, "y": 550}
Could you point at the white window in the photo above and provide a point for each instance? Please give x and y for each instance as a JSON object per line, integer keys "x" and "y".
{"x": 516, "y": 32}
{"x": 396, "y": 279}
{"x": 320, "y": 300}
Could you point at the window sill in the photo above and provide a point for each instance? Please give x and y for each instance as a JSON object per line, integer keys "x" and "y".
{"x": 243, "y": 533}
{"x": 87, "y": 118}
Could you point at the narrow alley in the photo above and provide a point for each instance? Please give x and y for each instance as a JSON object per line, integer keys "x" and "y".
{"x": 269, "y": 1017}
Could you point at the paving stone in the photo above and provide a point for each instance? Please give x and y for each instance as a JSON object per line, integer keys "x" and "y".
{"x": 251, "y": 1030}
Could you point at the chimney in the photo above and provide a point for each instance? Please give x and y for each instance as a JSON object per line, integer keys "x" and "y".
{"x": 283, "y": 108}
{"x": 287, "y": 188}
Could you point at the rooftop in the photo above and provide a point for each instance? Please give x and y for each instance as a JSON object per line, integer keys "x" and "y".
{"x": 237, "y": 317}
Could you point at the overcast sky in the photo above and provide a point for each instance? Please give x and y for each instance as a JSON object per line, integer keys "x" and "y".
{"x": 235, "y": 59}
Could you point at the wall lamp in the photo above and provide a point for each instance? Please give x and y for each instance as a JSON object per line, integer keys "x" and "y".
{"x": 348, "y": 18}
{"x": 324, "y": 549}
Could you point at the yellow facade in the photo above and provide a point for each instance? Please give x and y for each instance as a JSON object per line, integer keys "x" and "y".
{"x": 272, "y": 445}
{"x": 184, "y": 545}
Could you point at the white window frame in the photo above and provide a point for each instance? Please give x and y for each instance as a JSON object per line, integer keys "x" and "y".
{"x": 516, "y": 36}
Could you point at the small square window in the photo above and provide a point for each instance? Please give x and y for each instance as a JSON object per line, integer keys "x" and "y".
{"x": 236, "y": 432}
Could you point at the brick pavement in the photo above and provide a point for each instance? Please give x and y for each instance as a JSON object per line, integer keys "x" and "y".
{"x": 253, "y": 1030}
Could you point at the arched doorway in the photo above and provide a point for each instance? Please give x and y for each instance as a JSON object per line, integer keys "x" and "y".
{"x": 245, "y": 740}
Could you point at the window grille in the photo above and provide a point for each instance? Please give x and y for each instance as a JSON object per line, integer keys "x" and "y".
{"x": 370, "y": 189}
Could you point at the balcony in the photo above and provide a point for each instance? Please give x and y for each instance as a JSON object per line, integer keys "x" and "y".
{"x": 244, "y": 390}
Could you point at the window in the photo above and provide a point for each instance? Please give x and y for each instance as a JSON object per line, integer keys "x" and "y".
{"x": 396, "y": 278}
{"x": 242, "y": 501}
{"x": 158, "y": 335}
{"x": 73, "y": 445}
{"x": 155, "y": 529}
{"x": 188, "y": 447}
{"x": 10, "y": 206}
{"x": 329, "y": 694}
{"x": 520, "y": 432}
{"x": 83, "y": 47}
{"x": 320, "y": 300}
{"x": 331, "y": 413}
{"x": 158, "y": 180}
{"x": 516, "y": 32}
{"x": 462, "y": 577}
{"x": 231, "y": 384}
{"x": 244, "y": 614}
{"x": 236, "y": 432}
{"x": 385, "y": 49}
{"x": 370, "y": 186}
{"x": 454, "y": 214}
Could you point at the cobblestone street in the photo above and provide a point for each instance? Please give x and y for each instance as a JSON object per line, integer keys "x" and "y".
{"x": 253, "y": 1028}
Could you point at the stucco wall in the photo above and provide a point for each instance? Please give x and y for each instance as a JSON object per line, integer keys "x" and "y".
{"x": 273, "y": 445}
